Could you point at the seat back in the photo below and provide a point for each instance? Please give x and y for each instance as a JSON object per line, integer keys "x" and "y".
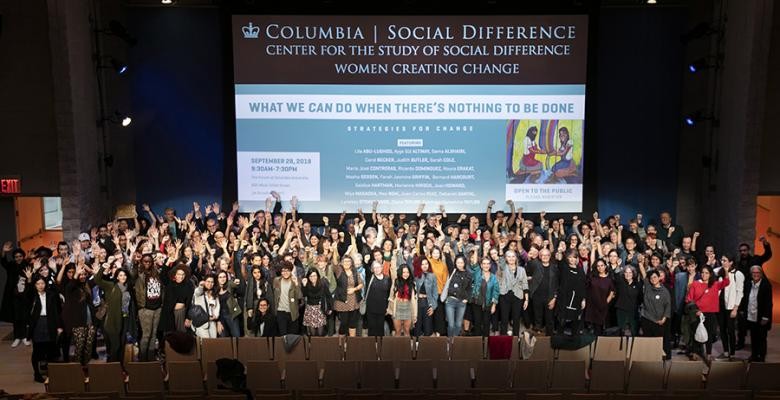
{"x": 106, "y": 377}
{"x": 645, "y": 376}
{"x": 263, "y": 375}
{"x": 611, "y": 348}
{"x": 608, "y": 376}
{"x": 469, "y": 348}
{"x": 144, "y": 377}
{"x": 726, "y": 375}
{"x": 646, "y": 349}
{"x": 301, "y": 375}
{"x": 432, "y": 348}
{"x": 377, "y": 375}
{"x": 339, "y": 374}
{"x": 453, "y": 374}
{"x": 216, "y": 348}
{"x": 66, "y": 377}
{"x": 685, "y": 375}
{"x": 358, "y": 348}
{"x": 542, "y": 349}
{"x": 253, "y": 349}
{"x": 417, "y": 374}
{"x": 581, "y": 354}
{"x": 171, "y": 355}
{"x": 531, "y": 375}
{"x": 296, "y": 353}
{"x": 495, "y": 347}
{"x": 763, "y": 376}
{"x": 323, "y": 349}
{"x": 568, "y": 375}
{"x": 185, "y": 376}
{"x": 493, "y": 374}
{"x": 396, "y": 349}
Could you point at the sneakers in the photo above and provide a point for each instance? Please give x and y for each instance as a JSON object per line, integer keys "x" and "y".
{"x": 27, "y": 342}
{"x": 16, "y": 342}
{"x": 723, "y": 356}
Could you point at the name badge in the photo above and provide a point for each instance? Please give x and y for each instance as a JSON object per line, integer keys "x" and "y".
{"x": 455, "y": 286}
{"x": 657, "y": 297}
{"x": 706, "y": 291}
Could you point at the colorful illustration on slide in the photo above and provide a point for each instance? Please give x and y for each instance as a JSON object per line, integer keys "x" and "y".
{"x": 544, "y": 151}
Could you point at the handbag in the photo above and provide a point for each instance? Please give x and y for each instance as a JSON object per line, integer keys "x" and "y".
{"x": 363, "y": 302}
{"x": 446, "y": 289}
{"x": 701, "y": 335}
{"x": 197, "y": 314}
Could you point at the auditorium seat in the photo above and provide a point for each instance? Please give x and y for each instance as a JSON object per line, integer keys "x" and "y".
{"x": 139, "y": 395}
{"x": 296, "y": 353}
{"x": 495, "y": 345}
{"x": 469, "y": 348}
{"x": 301, "y": 375}
{"x": 184, "y": 376}
{"x": 646, "y": 376}
{"x": 193, "y": 355}
{"x": 726, "y": 375}
{"x": 186, "y": 395}
{"x": 646, "y": 349}
{"x": 544, "y": 396}
{"x": 253, "y": 349}
{"x": 608, "y": 376}
{"x": 763, "y": 376}
{"x": 263, "y": 375}
{"x": 685, "y": 375}
{"x": 432, "y": 348}
{"x": 65, "y": 378}
{"x": 581, "y": 354}
{"x": 497, "y": 396}
{"x": 377, "y": 375}
{"x": 105, "y": 377}
{"x": 320, "y": 395}
{"x": 568, "y": 375}
{"x": 610, "y": 348}
{"x": 144, "y": 377}
{"x": 530, "y": 375}
{"x": 227, "y": 397}
{"x": 396, "y": 349}
{"x": 273, "y": 394}
{"x": 453, "y": 374}
{"x": 589, "y": 396}
{"x": 216, "y": 348}
{"x": 358, "y": 348}
{"x": 542, "y": 349}
{"x": 493, "y": 374}
{"x": 323, "y": 349}
{"x": 340, "y": 374}
{"x": 415, "y": 374}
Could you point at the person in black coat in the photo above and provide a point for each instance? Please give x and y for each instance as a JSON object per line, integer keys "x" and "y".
{"x": 757, "y": 308}
{"x": 263, "y": 321}
{"x": 744, "y": 263}
{"x": 45, "y": 323}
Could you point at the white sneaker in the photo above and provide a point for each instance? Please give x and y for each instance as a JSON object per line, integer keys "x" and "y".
{"x": 27, "y": 342}
{"x": 16, "y": 342}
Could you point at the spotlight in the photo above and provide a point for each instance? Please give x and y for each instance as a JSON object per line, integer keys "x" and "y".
{"x": 698, "y": 65}
{"x": 117, "y": 29}
{"x": 118, "y": 66}
{"x": 167, "y": 2}
{"x": 117, "y": 118}
{"x": 698, "y": 116}
{"x": 651, "y": 2}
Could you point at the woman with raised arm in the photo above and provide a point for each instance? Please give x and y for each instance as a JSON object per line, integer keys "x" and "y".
{"x": 457, "y": 292}
{"x": 229, "y": 292}
{"x": 119, "y": 322}
{"x": 149, "y": 297}
{"x": 730, "y": 299}
{"x": 705, "y": 294}
{"x": 441, "y": 272}
{"x": 425, "y": 290}
{"x": 205, "y": 296}
{"x": 513, "y": 292}
{"x": 257, "y": 287}
{"x": 76, "y": 313}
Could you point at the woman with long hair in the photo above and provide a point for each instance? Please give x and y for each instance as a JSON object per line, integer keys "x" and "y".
{"x": 513, "y": 292}
{"x": 403, "y": 302}
{"x": 565, "y": 151}
{"x": 178, "y": 291}
{"x": 76, "y": 313}
{"x": 148, "y": 295}
{"x": 600, "y": 293}
{"x": 730, "y": 299}
{"x": 229, "y": 306}
{"x": 205, "y": 296}
{"x": 705, "y": 294}
{"x": 441, "y": 272}
{"x": 258, "y": 286}
{"x": 348, "y": 296}
{"x": 425, "y": 290}
{"x": 318, "y": 302}
{"x": 485, "y": 291}
{"x": 119, "y": 322}
{"x": 458, "y": 287}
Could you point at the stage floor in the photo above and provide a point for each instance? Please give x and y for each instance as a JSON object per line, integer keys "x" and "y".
{"x": 16, "y": 372}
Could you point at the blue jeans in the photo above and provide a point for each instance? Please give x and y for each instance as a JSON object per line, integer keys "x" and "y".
{"x": 454, "y": 309}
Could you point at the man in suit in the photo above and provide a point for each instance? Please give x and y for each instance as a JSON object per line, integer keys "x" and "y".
{"x": 757, "y": 307}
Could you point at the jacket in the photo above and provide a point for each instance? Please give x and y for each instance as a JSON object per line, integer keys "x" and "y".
{"x": 536, "y": 278}
{"x": 503, "y": 273}
{"x": 656, "y": 303}
{"x": 342, "y": 284}
{"x": 140, "y": 290}
{"x": 706, "y": 298}
{"x": 209, "y": 329}
{"x": 429, "y": 280}
{"x": 392, "y": 301}
{"x": 53, "y": 312}
{"x": 294, "y": 295}
{"x": 270, "y": 329}
{"x": 732, "y": 294}
{"x": 250, "y": 294}
{"x": 112, "y": 323}
{"x": 491, "y": 292}
{"x": 764, "y": 300}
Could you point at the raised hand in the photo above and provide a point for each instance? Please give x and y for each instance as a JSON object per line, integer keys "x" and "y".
{"x": 491, "y": 203}
{"x": 374, "y": 205}
{"x": 208, "y": 209}
{"x": 215, "y": 207}
{"x": 697, "y": 234}
{"x": 294, "y": 202}
{"x": 146, "y": 207}
{"x": 7, "y": 246}
{"x": 276, "y": 195}
{"x": 325, "y": 220}
{"x": 235, "y": 206}
{"x": 268, "y": 201}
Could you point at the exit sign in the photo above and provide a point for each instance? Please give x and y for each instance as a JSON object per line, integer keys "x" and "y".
{"x": 10, "y": 185}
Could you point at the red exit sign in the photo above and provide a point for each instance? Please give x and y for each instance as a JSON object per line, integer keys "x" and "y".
{"x": 10, "y": 185}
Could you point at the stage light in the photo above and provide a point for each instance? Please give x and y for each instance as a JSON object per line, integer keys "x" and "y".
{"x": 118, "y": 66}
{"x": 117, "y": 118}
{"x": 698, "y": 65}
{"x": 697, "y": 116}
{"x": 651, "y": 2}
{"x": 167, "y": 2}
{"x": 126, "y": 120}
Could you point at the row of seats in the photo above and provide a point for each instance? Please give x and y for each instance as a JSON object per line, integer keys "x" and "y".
{"x": 434, "y": 394}
{"x": 534, "y": 375}
{"x": 397, "y": 349}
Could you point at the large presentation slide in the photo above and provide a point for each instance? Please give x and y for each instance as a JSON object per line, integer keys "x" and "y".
{"x": 341, "y": 111}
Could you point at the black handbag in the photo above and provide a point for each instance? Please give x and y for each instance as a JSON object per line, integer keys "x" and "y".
{"x": 197, "y": 314}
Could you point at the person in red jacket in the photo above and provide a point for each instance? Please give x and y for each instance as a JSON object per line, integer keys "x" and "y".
{"x": 705, "y": 292}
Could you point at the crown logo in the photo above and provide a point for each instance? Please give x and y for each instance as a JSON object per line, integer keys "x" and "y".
{"x": 250, "y": 31}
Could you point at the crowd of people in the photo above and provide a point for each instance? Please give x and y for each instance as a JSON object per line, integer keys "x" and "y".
{"x": 221, "y": 273}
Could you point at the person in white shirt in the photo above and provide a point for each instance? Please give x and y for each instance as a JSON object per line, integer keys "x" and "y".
{"x": 206, "y": 297}
{"x": 730, "y": 298}
{"x": 757, "y": 306}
